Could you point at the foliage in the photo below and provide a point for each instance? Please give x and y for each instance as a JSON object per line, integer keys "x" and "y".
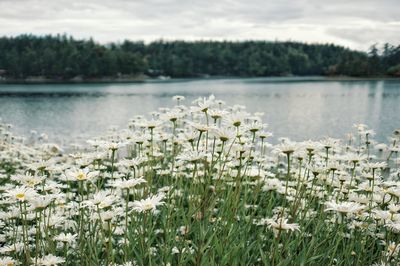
{"x": 62, "y": 57}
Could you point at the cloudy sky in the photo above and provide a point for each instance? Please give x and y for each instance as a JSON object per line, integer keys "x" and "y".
{"x": 353, "y": 23}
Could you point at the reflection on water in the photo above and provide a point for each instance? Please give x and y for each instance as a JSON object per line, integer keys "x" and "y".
{"x": 299, "y": 109}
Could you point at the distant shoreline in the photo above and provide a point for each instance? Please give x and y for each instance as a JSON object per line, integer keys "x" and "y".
{"x": 143, "y": 79}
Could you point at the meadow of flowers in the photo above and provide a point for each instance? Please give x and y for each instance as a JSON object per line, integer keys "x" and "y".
{"x": 200, "y": 185}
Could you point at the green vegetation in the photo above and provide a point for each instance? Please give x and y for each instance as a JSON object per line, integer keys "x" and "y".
{"x": 62, "y": 57}
{"x": 200, "y": 185}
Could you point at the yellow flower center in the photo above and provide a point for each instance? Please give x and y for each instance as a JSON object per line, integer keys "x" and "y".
{"x": 148, "y": 206}
{"x": 81, "y": 176}
{"x": 20, "y": 196}
{"x": 31, "y": 183}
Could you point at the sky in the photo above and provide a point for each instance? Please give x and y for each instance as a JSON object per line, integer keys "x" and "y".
{"x": 356, "y": 24}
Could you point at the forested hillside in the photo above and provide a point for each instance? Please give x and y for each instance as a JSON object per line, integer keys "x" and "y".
{"x": 63, "y": 57}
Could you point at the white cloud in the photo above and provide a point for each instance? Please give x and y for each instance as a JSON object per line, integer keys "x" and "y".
{"x": 356, "y": 24}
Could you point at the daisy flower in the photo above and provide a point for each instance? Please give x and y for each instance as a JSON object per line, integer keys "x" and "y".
{"x": 344, "y": 207}
{"x": 50, "y": 260}
{"x": 8, "y": 261}
{"x": 130, "y": 183}
{"x": 279, "y": 224}
{"x": 149, "y": 204}
{"x": 66, "y": 238}
{"x": 21, "y": 193}
{"x": 81, "y": 174}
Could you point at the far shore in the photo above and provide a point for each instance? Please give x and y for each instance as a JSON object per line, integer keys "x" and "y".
{"x": 143, "y": 78}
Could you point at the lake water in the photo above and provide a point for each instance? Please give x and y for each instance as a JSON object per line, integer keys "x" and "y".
{"x": 299, "y": 108}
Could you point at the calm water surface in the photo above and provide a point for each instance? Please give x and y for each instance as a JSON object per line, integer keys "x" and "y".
{"x": 297, "y": 108}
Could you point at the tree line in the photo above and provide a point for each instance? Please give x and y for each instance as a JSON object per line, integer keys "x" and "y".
{"x": 63, "y": 57}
